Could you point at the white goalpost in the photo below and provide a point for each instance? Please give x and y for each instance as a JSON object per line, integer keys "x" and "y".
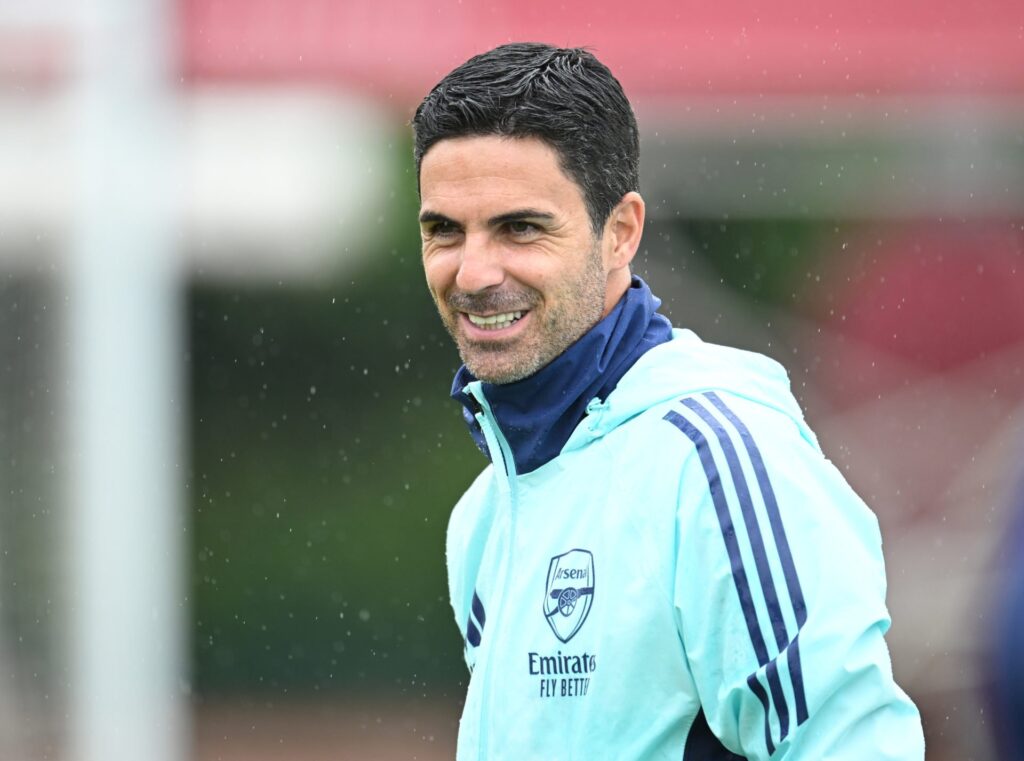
{"x": 124, "y": 558}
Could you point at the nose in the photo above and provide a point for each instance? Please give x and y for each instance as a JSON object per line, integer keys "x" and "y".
{"x": 481, "y": 266}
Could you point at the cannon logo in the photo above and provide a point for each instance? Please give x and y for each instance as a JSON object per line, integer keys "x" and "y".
{"x": 569, "y": 593}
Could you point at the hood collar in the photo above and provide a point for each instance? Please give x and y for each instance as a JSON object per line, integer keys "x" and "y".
{"x": 538, "y": 414}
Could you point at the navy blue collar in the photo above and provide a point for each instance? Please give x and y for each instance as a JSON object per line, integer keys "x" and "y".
{"x": 538, "y": 414}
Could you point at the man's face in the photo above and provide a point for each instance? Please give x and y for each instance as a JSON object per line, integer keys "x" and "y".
{"x": 509, "y": 253}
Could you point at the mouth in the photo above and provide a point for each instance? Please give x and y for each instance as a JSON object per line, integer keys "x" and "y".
{"x": 492, "y": 322}
{"x": 491, "y": 327}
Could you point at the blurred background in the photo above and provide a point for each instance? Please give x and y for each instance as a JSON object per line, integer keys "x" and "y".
{"x": 227, "y": 453}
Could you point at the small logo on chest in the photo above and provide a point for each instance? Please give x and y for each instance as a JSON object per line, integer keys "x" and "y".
{"x": 569, "y": 594}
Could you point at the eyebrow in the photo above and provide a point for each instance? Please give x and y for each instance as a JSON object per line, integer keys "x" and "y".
{"x": 501, "y": 219}
{"x": 518, "y": 215}
{"x": 432, "y": 216}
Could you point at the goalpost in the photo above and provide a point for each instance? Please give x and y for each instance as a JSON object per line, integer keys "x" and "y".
{"x": 125, "y": 537}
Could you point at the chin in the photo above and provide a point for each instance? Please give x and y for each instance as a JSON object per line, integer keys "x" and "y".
{"x": 497, "y": 375}
{"x": 490, "y": 375}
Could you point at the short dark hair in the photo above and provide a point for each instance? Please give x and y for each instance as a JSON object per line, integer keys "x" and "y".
{"x": 563, "y": 96}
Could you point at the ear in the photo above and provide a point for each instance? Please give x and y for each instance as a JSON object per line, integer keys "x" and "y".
{"x": 622, "y": 232}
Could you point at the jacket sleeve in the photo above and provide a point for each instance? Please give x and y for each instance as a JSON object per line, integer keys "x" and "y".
{"x": 779, "y": 592}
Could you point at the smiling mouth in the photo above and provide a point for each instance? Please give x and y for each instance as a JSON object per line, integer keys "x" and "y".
{"x": 495, "y": 321}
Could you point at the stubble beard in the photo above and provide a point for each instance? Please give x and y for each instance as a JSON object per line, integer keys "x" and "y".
{"x": 574, "y": 309}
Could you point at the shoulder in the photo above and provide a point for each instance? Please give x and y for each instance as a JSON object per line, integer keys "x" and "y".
{"x": 693, "y": 425}
{"x": 760, "y": 472}
{"x": 735, "y": 421}
{"x": 731, "y": 434}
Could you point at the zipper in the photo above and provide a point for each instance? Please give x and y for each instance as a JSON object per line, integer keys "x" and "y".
{"x": 500, "y": 451}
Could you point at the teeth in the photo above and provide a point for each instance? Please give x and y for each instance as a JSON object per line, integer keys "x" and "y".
{"x": 494, "y": 321}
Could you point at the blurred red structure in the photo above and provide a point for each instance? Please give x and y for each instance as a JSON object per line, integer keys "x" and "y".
{"x": 926, "y": 299}
{"x": 396, "y": 50}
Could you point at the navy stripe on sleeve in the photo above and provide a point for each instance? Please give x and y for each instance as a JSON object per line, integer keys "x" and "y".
{"x": 764, "y": 572}
{"x": 478, "y": 611}
{"x": 474, "y": 628}
{"x": 472, "y": 633}
{"x": 725, "y": 432}
{"x": 750, "y": 521}
{"x": 757, "y": 689}
{"x": 796, "y": 594}
{"x": 739, "y": 573}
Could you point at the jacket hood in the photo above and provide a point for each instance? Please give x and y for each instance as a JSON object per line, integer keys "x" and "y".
{"x": 684, "y": 366}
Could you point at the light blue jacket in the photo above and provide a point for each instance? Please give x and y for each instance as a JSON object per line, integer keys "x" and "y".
{"x": 689, "y": 578}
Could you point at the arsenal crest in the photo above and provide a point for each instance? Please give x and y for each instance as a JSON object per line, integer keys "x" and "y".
{"x": 569, "y": 593}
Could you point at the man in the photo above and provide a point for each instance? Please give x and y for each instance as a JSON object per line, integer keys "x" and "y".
{"x": 659, "y": 562}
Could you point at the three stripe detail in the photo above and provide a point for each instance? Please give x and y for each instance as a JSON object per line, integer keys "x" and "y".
{"x": 726, "y": 429}
{"x": 475, "y": 622}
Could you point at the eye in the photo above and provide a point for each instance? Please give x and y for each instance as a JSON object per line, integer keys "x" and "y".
{"x": 443, "y": 231}
{"x": 521, "y": 229}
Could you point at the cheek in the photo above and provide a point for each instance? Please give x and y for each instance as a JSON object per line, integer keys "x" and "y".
{"x": 551, "y": 269}
{"x": 440, "y": 271}
{"x": 538, "y": 265}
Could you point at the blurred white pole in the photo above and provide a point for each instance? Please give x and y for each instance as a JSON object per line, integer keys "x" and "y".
{"x": 126, "y": 537}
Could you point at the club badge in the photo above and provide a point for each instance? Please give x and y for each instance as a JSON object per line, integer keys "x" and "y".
{"x": 570, "y": 592}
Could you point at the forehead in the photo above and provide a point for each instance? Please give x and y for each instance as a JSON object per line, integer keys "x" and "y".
{"x": 490, "y": 173}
